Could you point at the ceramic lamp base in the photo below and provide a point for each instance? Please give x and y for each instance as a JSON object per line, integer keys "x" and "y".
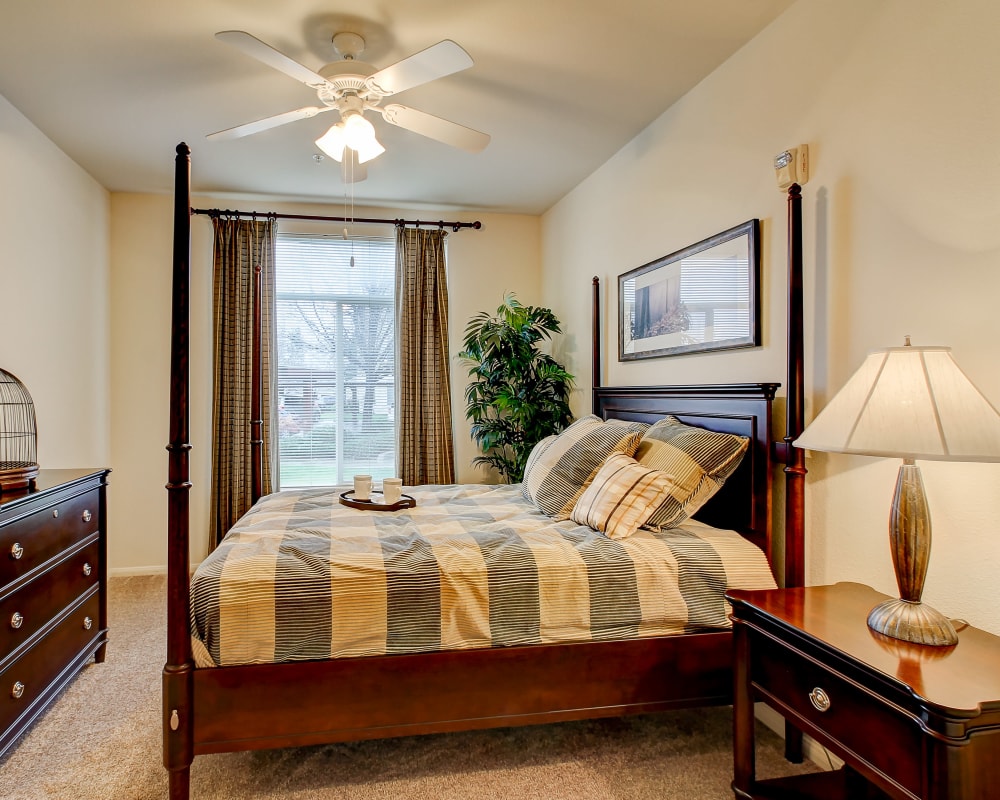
{"x": 912, "y": 622}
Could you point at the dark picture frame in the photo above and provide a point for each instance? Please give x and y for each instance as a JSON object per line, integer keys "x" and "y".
{"x": 702, "y": 298}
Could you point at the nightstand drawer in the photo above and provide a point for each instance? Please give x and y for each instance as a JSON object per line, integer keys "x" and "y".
{"x": 35, "y": 673}
{"x": 29, "y": 542}
{"x": 26, "y": 611}
{"x": 872, "y": 731}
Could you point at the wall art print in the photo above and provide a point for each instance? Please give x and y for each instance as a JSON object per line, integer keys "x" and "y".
{"x": 704, "y": 297}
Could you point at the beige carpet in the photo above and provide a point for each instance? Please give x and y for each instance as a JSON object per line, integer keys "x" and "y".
{"x": 101, "y": 739}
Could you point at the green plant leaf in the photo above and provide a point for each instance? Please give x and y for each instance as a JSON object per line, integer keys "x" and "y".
{"x": 518, "y": 394}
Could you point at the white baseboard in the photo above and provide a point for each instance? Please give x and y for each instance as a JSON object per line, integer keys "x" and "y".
{"x": 811, "y": 749}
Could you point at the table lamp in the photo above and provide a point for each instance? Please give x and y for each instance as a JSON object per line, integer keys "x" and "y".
{"x": 910, "y": 403}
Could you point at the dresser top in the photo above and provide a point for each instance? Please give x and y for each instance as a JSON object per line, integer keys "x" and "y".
{"x": 964, "y": 677}
{"x": 49, "y": 480}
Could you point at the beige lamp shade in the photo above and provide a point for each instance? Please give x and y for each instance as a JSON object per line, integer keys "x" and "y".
{"x": 911, "y": 403}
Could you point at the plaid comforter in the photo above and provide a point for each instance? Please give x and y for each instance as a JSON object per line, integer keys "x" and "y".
{"x": 303, "y": 577}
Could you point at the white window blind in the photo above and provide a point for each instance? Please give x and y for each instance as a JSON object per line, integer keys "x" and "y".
{"x": 336, "y": 358}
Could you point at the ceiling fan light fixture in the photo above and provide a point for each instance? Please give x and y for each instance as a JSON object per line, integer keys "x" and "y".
{"x": 369, "y": 150}
{"x": 358, "y": 132}
{"x": 332, "y": 142}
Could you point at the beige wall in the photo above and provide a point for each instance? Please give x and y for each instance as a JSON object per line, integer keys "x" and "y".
{"x": 54, "y": 292}
{"x": 483, "y": 265}
{"x": 897, "y": 101}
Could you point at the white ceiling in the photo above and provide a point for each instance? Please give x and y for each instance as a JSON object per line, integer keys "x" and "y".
{"x": 561, "y": 85}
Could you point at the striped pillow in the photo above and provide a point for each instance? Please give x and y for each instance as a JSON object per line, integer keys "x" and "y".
{"x": 699, "y": 461}
{"x": 556, "y": 476}
{"x": 621, "y": 497}
{"x": 536, "y": 451}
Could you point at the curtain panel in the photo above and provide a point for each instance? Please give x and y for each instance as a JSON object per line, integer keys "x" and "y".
{"x": 425, "y": 447}
{"x": 241, "y": 247}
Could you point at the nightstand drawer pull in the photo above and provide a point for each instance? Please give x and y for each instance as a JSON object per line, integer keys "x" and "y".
{"x": 86, "y": 515}
{"x": 16, "y": 551}
{"x": 87, "y": 569}
{"x": 16, "y": 620}
{"x": 88, "y": 623}
{"x": 819, "y": 699}
{"x": 17, "y": 691}
{"x": 55, "y": 513}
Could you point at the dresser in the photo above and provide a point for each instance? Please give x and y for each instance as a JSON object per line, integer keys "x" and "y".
{"x": 909, "y": 721}
{"x": 53, "y": 590}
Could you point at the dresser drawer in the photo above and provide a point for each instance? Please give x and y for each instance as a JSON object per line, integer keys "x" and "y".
{"x": 31, "y": 675}
{"x": 28, "y": 542}
{"x": 33, "y": 605}
{"x": 871, "y": 730}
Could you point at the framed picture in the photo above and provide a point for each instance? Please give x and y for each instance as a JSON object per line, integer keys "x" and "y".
{"x": 704, "y": 297}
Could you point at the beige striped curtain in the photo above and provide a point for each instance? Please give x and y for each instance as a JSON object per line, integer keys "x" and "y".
{"x": 425, "y": 449}
{"x": 241, "y": 245}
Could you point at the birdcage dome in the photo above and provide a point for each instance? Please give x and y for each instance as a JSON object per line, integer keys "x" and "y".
{"x": 18, "y": 434}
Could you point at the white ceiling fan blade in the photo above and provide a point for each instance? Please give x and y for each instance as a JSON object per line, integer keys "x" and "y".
{"x": 267, "y": 122}
{"x": 442, "y": 130}
{"x": 263, "y": 52}
{"x": 438, "y": 60}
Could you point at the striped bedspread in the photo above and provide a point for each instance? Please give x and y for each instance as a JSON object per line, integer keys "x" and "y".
{"x": 303, "y": 577}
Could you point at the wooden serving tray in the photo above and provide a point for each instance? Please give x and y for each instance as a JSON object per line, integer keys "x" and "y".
{"x": 347, "y": 498}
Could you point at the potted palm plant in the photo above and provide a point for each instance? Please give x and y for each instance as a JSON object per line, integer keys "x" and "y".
{"x": 518, "y": 394}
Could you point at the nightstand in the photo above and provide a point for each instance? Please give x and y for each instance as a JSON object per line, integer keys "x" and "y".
{"x": 909, "y": 721}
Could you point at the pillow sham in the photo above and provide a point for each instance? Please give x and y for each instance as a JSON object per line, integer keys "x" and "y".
{"x": 699, "y": 461}
{"x": 540, "y": 447}
{"x": 561, "y": 471}
{"x": 621, "y": 497}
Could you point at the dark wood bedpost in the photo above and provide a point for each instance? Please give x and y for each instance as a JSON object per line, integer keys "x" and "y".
{"x": 257, "y": 395}
{"x": 178, "y": 749}
{"x": 795, "y": 458}
{"x": 596, "y": 351}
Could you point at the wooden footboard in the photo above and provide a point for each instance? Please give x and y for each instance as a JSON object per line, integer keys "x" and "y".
{"x": 314, "y": 702}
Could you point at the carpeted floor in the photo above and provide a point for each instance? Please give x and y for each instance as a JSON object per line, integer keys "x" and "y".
{"x": 101, "y": 739}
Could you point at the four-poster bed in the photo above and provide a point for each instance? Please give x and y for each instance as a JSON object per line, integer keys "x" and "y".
{"x": 293, "y": 703}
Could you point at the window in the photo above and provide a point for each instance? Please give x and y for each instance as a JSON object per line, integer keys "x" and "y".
{"x": 336, "y": 358}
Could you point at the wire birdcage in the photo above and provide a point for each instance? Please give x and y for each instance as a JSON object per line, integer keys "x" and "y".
{"x": 18, "y": 434}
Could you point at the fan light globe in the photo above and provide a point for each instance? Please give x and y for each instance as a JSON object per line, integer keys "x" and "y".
{"x": 332, "y": 142}
{"x": 369, "y": 150}
{"x": 358, "y": 132}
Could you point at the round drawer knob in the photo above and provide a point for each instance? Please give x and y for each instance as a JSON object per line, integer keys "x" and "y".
{"x": 87, "y": 569}
{"x": 17, "y": 690}
{"x": 16, "y": 551}
{"x": 88, "y": 623}
{"x": 86, "y": 515}
{"x": 819, "y": 699}
{"x": 16, "y": 620}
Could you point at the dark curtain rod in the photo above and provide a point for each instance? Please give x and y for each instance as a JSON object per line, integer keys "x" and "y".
{"x": 399, "y": 223}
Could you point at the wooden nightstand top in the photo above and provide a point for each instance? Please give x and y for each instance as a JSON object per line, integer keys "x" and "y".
{"x": 962, "y": 678}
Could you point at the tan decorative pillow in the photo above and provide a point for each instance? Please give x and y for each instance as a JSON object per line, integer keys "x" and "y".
{"x": 699, "y": 461}
{"x": 556, "y": 476}
{"x": 621, "y": 497}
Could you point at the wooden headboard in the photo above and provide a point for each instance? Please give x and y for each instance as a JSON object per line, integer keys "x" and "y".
{"x": 744, "y": 502}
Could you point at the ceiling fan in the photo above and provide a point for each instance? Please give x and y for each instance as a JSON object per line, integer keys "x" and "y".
{"x": 353, "y": 87}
